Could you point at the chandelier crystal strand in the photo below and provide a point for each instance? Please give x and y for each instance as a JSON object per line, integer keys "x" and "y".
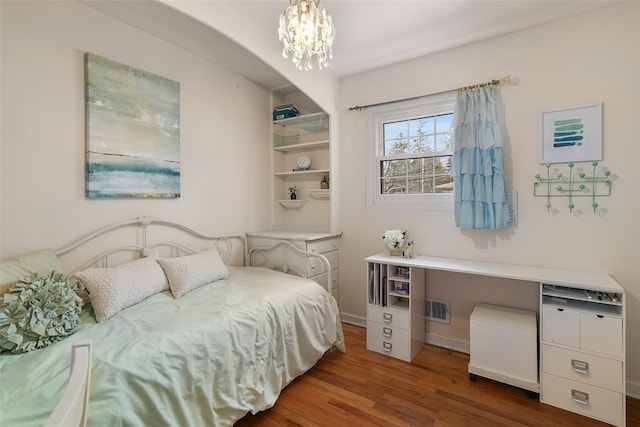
{"x": 306, "y": 29}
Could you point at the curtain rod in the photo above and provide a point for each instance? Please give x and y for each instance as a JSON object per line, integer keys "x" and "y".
{"x": 504, "y": 81}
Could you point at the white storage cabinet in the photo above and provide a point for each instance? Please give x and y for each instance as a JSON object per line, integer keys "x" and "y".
{"x": 583, "y": 351}
{"x": 395, "y": 309}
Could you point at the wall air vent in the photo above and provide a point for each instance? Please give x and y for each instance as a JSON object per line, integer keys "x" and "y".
{"x": 437, "y": 311}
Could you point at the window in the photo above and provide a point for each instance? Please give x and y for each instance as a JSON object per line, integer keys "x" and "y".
{"x": 409, "y": 155}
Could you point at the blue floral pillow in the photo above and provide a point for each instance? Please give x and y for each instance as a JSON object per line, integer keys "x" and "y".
{"x": 38, "y": 311}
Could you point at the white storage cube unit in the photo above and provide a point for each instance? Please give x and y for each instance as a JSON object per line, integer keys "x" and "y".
{"x": 504, "y": 346}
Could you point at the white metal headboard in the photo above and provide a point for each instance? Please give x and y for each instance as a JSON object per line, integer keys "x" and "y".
{"x": 226, "y": 245}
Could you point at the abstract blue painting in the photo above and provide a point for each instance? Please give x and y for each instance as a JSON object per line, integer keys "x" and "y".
{"x": 132, "y": 132}
{"x": 571, "y": 134}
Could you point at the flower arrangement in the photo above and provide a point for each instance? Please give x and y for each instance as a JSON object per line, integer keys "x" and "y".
{"x": 394, "y": 239}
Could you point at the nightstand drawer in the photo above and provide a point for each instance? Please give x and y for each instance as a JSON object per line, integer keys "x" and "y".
{"x": 315, "y": 267}
{"x": 594, "y": 402}
{"x": 389, "y": 316}
{"x": 322, "y": 246}
{"x": 587, "y": 368}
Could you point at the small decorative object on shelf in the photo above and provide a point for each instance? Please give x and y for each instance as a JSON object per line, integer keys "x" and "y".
{"x": 285, "y": 111}
{"x": 304, "y": 163}
{"x": 408, "y": 251}
{"x": 293, "y": 190}
{"x": 324, "y": 182}
{"x": 395, "y": 240}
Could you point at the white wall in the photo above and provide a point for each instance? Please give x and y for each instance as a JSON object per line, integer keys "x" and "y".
{"x": 224, "y": 129}
{"x": 588, "y": 59}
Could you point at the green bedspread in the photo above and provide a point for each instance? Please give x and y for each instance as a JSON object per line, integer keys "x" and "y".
{"x": 205, "y": 359}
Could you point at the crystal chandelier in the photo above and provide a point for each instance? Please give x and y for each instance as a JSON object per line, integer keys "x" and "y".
{"x": 305, "y": 30}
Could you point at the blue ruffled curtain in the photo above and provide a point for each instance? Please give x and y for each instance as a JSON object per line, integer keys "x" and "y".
{"x": 478, "y": 166}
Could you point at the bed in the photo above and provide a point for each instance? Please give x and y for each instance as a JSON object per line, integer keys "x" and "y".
{"x": 207, "y": 357}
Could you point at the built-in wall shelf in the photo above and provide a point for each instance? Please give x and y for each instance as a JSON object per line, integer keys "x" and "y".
{"x": 320, "y": 194}
{"x": 301, "y": 158}
{"x": 302, "y": 147}
{"x": 292, "y": 204}
{"x": 309, "y": 172}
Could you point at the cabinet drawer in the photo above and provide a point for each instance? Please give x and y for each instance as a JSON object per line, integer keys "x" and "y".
{"x": 314, "y": 266}
{"x": 594, "y": 402}
{"x": 322, "y": 246}
{"x": 389, "y": 316}
{"x": 587, "y": 368}
{"x": 389, "y": 333}
{"x": 561, "y": 326}
{"x": 602, "y": 334}
{"x": 381, "y": 344}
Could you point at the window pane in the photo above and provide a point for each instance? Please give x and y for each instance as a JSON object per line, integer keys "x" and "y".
{"x": 420, "y": 185}
{"x": 393, "y": 167}
{"x": 394, "y": 130}
{"x": 424, "y": 125}
{"x": 416, "y": 166}
{"x": 396, "y": 146}
{"x": 443, "y": 141}
{"x": 444, "y": 184}
{"x": 423, "y": 144}
{"x": 443, "y": 123}
{"x": 394, "y": 185}
{"x": 428, "y": 165}
{"x": 442, "y": 165}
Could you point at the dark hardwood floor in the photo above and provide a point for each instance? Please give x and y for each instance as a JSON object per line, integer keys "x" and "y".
{"x": 363, "y": 388}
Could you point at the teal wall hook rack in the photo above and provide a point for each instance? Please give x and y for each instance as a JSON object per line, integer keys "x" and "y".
{"x": 573, "y": 185}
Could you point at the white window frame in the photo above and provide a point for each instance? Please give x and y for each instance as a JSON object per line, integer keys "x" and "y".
{"x": 405, "y": 110}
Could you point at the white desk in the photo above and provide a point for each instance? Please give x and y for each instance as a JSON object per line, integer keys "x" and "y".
{"x": 581, "y": 279}
{"x": 582, "y": 326}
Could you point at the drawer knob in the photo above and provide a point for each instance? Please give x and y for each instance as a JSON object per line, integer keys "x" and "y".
{"x": 580, "y": 397}
{"x": 387, "y": 332}
{"x": 386, "y": 346}
{"x": 387, "y": 317}
{"x": 579, "y": 366}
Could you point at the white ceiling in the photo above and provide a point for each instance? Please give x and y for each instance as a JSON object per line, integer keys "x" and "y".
{"x": 369, "y": 34}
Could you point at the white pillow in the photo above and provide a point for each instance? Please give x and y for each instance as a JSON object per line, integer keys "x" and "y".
{"x": 114, "y": 289}
{"x": 189, "y": 272}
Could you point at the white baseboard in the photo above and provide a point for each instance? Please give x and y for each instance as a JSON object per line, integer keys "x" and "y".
{"x": 633, "y": 389}
{"x": 353, "y": 320}
{"x": 446, "y": 342}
